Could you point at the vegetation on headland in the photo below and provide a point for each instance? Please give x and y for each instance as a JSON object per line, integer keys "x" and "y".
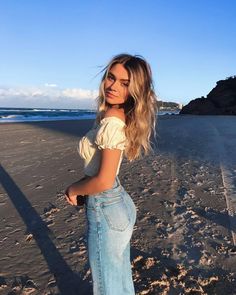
{"x": 168, "y": 106}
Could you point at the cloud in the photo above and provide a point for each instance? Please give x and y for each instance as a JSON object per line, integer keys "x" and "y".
{"x": 80, "y": 93}
{"x": 49, "y": 95}
{"x": 50, "y": 85}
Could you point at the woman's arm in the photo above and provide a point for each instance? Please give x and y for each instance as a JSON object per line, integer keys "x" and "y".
{"x": 104, "y": 179}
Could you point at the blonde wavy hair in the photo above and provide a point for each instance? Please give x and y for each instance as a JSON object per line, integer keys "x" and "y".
{"x": 140, "y": 107}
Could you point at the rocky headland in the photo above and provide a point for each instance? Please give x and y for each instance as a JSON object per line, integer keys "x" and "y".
{"x": 220, "y": 101}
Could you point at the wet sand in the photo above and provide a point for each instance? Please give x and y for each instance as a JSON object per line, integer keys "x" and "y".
{"x": 184, "y": 240}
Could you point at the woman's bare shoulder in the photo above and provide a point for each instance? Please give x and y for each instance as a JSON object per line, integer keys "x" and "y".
{"x": 112, "y": 112}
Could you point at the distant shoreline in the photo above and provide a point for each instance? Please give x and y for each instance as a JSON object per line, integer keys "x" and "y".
{"x": 22, "y": 115}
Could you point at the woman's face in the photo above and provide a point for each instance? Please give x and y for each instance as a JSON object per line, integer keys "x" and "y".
{"x": 116, "y": 85}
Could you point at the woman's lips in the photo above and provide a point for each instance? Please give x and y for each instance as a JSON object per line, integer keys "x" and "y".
{"x": 110, "y": 94}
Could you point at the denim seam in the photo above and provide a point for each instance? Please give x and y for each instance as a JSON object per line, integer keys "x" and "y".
{"x": 99, "y": 259}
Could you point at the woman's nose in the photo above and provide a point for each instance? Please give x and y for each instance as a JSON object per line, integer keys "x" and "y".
{"x": 114, "y": 85}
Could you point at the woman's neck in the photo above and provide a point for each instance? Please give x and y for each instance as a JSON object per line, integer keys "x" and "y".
{"x": 115, "y": 106}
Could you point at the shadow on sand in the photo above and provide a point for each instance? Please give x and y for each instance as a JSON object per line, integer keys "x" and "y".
{"x": 68, "y": 282}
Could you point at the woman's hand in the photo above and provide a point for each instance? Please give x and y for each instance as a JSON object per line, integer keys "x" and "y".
{"x": 72, "y": 200}
{"x": 71, "y": 197}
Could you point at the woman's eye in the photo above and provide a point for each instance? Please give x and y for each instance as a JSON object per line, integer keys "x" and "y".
{"x": 110, "y": 78}
{"x": 125, "y": 84}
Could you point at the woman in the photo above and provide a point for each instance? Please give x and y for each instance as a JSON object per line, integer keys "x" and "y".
{"x": 126, "y": 117}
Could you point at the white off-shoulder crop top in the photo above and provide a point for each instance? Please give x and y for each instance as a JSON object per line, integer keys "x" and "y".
{"x": 108, "y": 134}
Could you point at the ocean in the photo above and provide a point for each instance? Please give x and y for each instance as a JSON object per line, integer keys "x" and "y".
{"x": 8, "y": 115}
{"x": 38, "y": 114}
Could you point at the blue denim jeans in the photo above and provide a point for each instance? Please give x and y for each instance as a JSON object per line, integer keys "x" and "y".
{"x": 111, "y": 216}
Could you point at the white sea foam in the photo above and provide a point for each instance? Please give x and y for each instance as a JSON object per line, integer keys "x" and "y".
{"x": 36, "y": 114}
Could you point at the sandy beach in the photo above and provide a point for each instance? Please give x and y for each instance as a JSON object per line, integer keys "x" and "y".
{"x": 184, "y": 240}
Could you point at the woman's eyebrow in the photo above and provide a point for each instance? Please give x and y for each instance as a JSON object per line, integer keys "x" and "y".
{"x": 110, "y": 73}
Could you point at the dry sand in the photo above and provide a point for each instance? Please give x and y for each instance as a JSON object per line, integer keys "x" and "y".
{"x": 184, "y": 240}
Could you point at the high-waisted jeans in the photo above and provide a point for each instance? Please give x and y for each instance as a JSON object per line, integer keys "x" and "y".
{"x": 111, "y": 216}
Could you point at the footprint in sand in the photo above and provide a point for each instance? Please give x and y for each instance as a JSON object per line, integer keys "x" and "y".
{"x": 2, "y": 203}
{"x": 49, "y": 214}
{"x": 52, "y": 287}
{"x": 60, "y": 195}
{"x": 205, "y": 259}
{"x": 232, "y": 250}
{"x": 38, "y": 186}
{"x": 167, "y": 203}
{"x": 78, "y": 249}
{"x": 161, "y": 230}
{"x": 29, "y": 287}
{"x": 51, "y": 209}
{"x": 23, "y": 285}
{"x": 149, "y": 218}
{"x": 49, "y": 222}
{"x": 29, "y": 237}
{"x": 3, "y": 198}
{"x": 3, "y": 283}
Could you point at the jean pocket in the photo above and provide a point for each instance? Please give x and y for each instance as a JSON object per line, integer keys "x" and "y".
{"x": 116, "y": 214}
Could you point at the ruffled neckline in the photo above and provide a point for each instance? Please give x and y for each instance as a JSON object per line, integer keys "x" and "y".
{"x": 112, "y": 118}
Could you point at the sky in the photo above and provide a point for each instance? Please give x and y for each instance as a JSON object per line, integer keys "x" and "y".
{"x": 52, "y": 51}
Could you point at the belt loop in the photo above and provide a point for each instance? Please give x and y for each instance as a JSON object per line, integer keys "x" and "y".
{"x": 117, "y": 180}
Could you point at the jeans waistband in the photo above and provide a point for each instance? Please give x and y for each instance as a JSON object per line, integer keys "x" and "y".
{"x": 115, "y": 190}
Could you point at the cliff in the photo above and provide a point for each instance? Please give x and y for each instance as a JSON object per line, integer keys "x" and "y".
{"x": 220, "y": 101}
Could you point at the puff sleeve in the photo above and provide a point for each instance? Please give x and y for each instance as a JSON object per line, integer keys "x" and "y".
{"x": 111, "y": 134}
